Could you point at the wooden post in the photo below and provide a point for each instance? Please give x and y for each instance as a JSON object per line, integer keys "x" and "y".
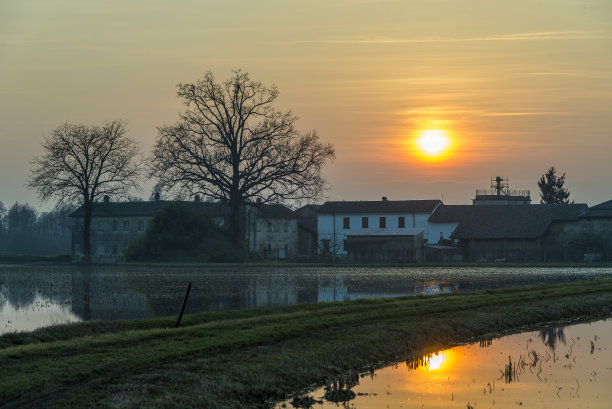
{"x": 180, "y": 317}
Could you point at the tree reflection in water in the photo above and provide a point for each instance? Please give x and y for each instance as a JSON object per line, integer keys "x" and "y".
{"x": 551, "y": 336}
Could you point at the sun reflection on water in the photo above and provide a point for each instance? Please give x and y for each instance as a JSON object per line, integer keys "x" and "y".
{"x": 574, "y": 374}
{"x": 435, "y": 361}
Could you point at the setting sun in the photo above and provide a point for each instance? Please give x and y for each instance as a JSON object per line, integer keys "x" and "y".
{"x": 433, "y": 142}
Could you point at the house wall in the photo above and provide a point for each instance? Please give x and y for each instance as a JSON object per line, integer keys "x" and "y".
{"x": 332, "y": 232}
{"x": 109, "y": 236}
{"x": 384, "y": 248}
{"x": 504, "y": 249}
{"x": 437, "y": 231}
{"x": 579, "y": 240}
{"x": 272, "y": 238}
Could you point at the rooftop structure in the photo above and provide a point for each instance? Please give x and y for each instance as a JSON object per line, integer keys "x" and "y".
{"x": 501, "y": 194}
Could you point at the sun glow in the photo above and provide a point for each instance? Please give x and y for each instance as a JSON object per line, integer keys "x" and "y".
{"x": 433, "y": 143}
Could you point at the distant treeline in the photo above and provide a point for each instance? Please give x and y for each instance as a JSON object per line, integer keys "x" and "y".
{"x": 25, "y": 231}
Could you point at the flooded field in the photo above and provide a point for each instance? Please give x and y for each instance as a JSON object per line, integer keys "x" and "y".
{"x": 31, "y": 297}
{"x": 563, "y": 367}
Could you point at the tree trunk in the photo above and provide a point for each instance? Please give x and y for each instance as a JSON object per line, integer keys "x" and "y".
{"x": 234, "y": 219}
{"x": 87, "y": 208}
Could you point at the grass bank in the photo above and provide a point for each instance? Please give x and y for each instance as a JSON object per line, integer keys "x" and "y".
{"x": 250, "y": 358}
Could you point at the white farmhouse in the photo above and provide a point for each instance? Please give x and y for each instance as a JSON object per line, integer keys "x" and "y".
{"x": 386, "y": 230}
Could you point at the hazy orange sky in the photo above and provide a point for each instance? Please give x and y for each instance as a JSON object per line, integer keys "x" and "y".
{"x": 519, "y": 85}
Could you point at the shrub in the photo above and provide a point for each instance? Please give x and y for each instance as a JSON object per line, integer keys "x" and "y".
{"x": 183, "y": 232}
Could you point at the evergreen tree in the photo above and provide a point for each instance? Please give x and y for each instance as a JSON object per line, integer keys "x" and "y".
{"x": 551, "y": 188}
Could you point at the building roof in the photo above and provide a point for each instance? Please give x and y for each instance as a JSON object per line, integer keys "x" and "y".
{"x": 147, "y": 208}
{"x": 308, "y": 217}
{"x": 451, "y": 213}
{"x": 505, "y": 222}
{"x": 275, "y": 211}
{"x": 143, "y": 208}
{"x": 602, "y": 210}
{"x": 380, "y": 206}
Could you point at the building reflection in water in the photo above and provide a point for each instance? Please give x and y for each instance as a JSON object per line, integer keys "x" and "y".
{"x": 120, "y": 292}
{"x": 272, "y": 290}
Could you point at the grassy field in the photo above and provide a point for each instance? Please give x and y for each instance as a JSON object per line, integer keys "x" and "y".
{"x": 252, "y": 358}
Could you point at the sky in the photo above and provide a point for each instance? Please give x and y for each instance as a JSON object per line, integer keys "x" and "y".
{"x": 517, "y": 86}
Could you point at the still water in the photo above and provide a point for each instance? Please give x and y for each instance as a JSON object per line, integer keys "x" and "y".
{"x": 563, "y": 367}
{"x": 34, "y": 297}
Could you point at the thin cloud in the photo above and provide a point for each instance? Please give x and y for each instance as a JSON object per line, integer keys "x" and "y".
{"x": 529, "y": 113}
{"x": 535, "y": 36}
{"x": 565, "y": 74}
{"x": 10, "y": 41}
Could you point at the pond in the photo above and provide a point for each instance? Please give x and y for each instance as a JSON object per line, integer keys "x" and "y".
{"x": 34, "y": 297}
{"x": 562, "y": 367}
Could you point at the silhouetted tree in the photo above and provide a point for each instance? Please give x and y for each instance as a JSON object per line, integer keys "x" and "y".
{"x": 551, "y": 188}
{"x": 182, "y": 231}
{"x": 21, "y": 218}
{"x": 82, "y": 164}
{"x": 2, "y": 216}
{"x": 232, "y": 145}
{"x": 20, "y": 229}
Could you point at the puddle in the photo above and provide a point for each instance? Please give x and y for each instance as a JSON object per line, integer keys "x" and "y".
{"x": 563, "y": 367}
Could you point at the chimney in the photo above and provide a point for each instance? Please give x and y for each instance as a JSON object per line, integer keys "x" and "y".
{"x": 157, "y": 196}
{"x": 384, "y": 198}
{"x": 106, "y": 198}
{"x": 196, "y": 198}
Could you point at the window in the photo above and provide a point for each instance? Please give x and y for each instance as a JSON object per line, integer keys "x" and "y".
{"x": 346, "y": 223}
{"x": 141, "y": 225}
{"x": 126, "y": 225}
{"x": 115, "y": 225}
{"x": 364, "y": 222}
{"x": 383, "y": 222}
{"x": 401, "y": 222}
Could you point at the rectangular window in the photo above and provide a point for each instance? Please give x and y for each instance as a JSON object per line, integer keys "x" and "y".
{"x": 115, "y": 225}
{"x": 126, "y": 225}
{"x": 141, "y": 225}
{"x": 383, "y": 222}
{"x": 401, "y": 222}
{"x": 346, "y": 223}
{"x": 364, "y": 222}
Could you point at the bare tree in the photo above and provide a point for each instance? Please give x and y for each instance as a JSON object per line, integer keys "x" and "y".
{"x": 82, "y": 164}
{"x": 232, "y": 145}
